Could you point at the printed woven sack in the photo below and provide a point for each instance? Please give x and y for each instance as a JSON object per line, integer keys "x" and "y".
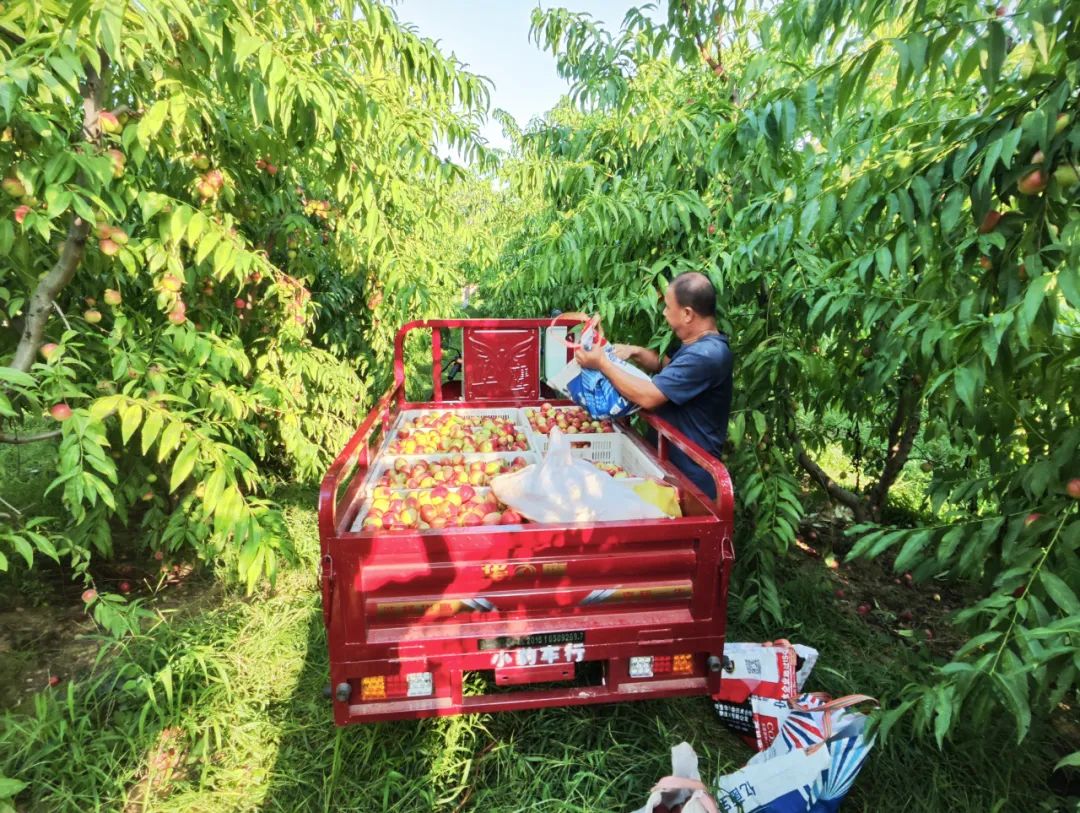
{"x": 758, "y": 681}
{"x": 591, "y": 389}
{"x": 809, "y": 768}
{"x": 817, "y": 721}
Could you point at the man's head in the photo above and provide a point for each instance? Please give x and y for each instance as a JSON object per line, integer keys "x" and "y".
{"x": 690, "y": 305}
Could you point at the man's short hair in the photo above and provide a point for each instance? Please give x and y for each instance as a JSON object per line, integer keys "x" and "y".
{"x": 695, "y": 291}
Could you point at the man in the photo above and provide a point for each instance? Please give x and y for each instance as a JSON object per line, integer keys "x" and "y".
{"x": 691, "y": 389}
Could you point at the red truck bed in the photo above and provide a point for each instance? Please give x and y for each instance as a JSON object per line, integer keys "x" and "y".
{"x": 475, "y": 619}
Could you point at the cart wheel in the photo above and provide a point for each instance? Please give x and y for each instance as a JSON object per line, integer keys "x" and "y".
{"x": 327, "y": 691}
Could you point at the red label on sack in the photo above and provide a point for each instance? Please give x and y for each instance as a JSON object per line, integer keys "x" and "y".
{"x": 756, "y": 669}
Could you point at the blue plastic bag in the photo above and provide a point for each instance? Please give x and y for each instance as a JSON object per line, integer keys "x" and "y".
{"x": 591, "y": 389}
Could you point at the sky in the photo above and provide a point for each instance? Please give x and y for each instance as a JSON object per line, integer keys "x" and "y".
{"x": 492, "y": 38}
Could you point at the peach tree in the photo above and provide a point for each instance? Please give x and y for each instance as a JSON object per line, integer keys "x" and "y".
{"x": 213, "y": 215}
{"x": 886, "y": 198}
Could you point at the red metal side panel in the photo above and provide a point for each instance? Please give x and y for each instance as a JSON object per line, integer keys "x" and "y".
{"x": 501, "y": 364}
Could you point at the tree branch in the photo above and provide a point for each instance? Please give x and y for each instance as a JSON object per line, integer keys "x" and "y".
{"x": 908, "y": 414}
{"x": 715, "y": 65}
{"x": 63, "y": 318}
{"x": 12, "y": 507}
{"x": 896, "y": 426}
{"x": 849, "y": 499}
{"x": 6, "y": 438}
{"x": 41, "y": 303}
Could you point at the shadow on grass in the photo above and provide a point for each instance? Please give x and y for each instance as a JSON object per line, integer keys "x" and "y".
{"x": 561, "y": 759}
{"x": 380, "y": 766}
{"x": 604, "y": 758}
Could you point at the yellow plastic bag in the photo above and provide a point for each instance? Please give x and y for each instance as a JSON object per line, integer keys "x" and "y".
{"x": 663, "y": 496}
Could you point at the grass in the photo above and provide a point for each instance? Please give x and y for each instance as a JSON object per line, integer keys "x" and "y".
{"x": 28, "y": 469}
{"x": 238, "y": 723}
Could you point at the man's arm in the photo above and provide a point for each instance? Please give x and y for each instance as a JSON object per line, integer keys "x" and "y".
{"x": 641, "y": 391}
{"x": 647, "y": 360}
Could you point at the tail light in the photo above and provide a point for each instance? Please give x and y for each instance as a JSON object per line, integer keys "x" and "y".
{"x": 647, "y": 666}
{"x": 388, "y": 687}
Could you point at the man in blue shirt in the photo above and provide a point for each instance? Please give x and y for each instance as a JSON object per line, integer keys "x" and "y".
{"x": 691, "y": 389}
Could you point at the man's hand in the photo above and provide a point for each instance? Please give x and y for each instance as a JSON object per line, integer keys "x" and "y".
{"x": 644, "y": 358}
{"x": 590, "y": 359}
{"x": 641, "y": 391}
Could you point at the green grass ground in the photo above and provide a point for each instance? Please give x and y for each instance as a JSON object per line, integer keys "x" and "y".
{"x": 238, "y": 723}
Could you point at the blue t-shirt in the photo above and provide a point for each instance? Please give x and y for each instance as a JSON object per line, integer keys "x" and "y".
{"x": 697, "y": 384}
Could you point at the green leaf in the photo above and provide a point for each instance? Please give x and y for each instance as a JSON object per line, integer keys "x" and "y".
{"x": 1071, "y": 761}
{"x": 902, "y": 253}
{"x": 169, "y": 439}
{"x": 943, "y": 710}
{"x": 1034, "y": 297}
{"x": 151, "y": 123}
{"x": 950, "y": 214}
{"x": 215, "y": 485}
{"x": 884, "y": 261}
{"x": 16, "y": 377}
{"x": 808, "y": 218}
{"x": 23, "y": 548}
{"x": 245, "y": 46}
{"x": 921, "y": 190}
{"x": 228, "y": 510}
{"x": 995, "y": 56}
{"x": 130, "y": 418}
{"x": 1068, "y": 279}
{"x": 1013, "y": 690}
{"x": 45, "y": 545}
{"x": 10, "y": 788}
{"x": 912, "y": 548}
{"x": 966, "y": 381}
{"x": 151, "y": 428}
{"x": 1060, "y": 592}
{"x": 184, "y": 463}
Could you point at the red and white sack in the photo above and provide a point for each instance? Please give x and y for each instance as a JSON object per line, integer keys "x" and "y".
{"x": 757, "y": 683}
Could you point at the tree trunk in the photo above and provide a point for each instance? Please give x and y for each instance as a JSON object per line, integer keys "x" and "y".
{"x": 41, "y": 303}
{"x": 902, "y": 433}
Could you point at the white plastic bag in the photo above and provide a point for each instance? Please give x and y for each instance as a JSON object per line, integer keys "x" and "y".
{"x": 562, "y": 488}
{"x": 684, "y": 786}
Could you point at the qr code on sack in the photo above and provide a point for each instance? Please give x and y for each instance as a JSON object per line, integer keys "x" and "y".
{"x": 753, "y": 666}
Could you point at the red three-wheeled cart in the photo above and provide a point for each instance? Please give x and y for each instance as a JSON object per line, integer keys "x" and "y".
{"x": 434, "y": 615}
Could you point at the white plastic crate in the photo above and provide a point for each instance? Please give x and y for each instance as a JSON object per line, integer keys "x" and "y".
{"x": 509, "y": 414}
{"x": 613, "y": 448}
{"x": 358, "y": 522}
{"x": 386, "y": 462}
{"x": 538, "y": 440}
